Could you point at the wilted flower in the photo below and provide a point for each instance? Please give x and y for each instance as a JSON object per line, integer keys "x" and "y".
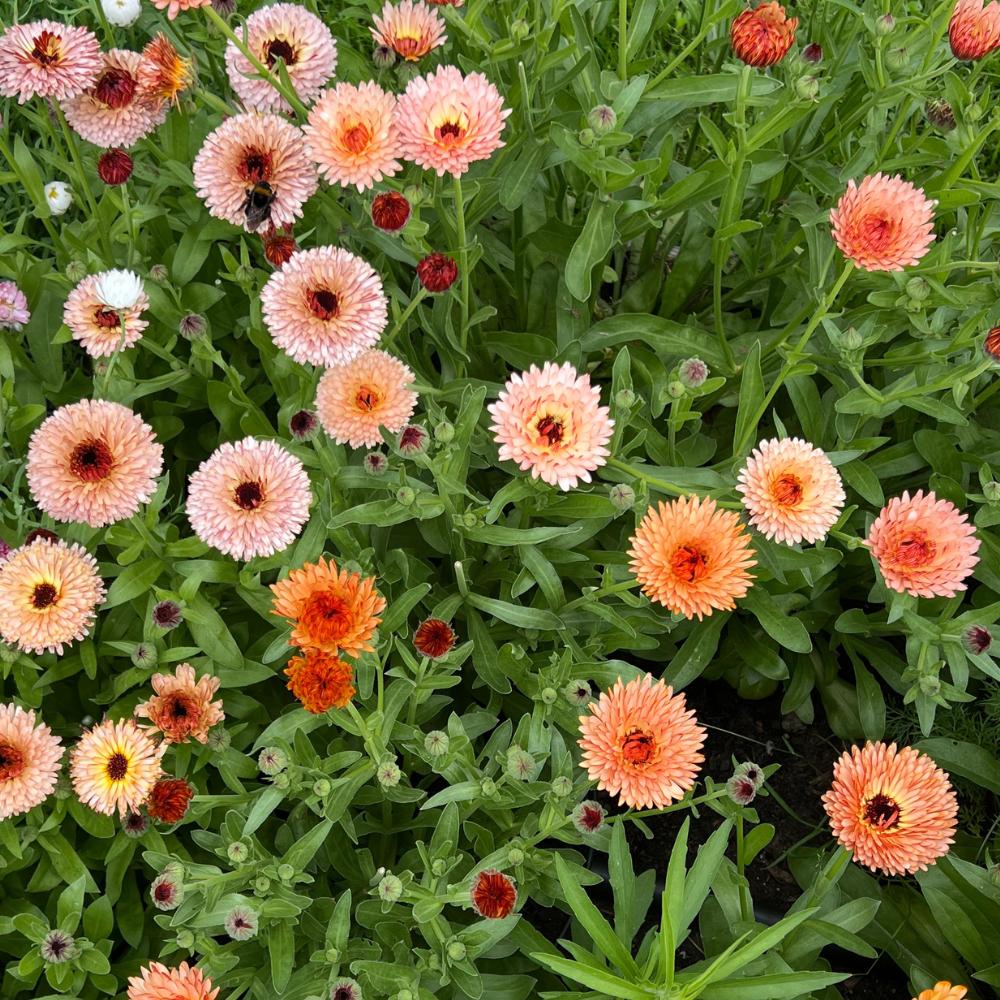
{"x": 437, "y": 272}
{"x": 939, "y": 113}
{"x": 241, "y": 923}
{"x": 58, "y": 946}
{"x": 493, "y": 894}
{"x": 588, "y": 816}
{"x": 762, "y": 35}
{"x": 974, "y": 29}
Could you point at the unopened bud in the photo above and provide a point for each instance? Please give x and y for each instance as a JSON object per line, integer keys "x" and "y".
{"x": 390, "y": 889}
{"x": 520, "y": 30}
{"x": 76, "y": 270}
{"x": 587, "y": 137}
{"x": 286, "y": 872}
{"x": 332, "y": 955}
{"x": 282, "y": 781}
{"x": 144, "y": 655}
{"x": 383, "y": 57}
{"x": 444, "y": 432}
{"x": 918, "y": 289}
{"x": 238, "y": 853}
{"x": 939, "y": 113}
{"x": 974, "y": 112}
{"x": 562, "y": 786}
{"x": 602, "y": 119}
{"x": 930, "y": 685}
{"x": 675, "y": 389}
{"x": 622, "y": 496}
{"x": 185, "y": 940}
{"x": 625, "y": 399}
{"x": 885, "y": 25}
{"x": 388, "y": 774}
{"x": 488, "y": 788}
{"x": 549, "y": 696}
{"x": 405, "y": 496}
{"x": 813, "y": 54}
{"x": 897, "y": 59}
{"x": 521, "y": 765}
{"x": 456, "y": 950}
{"x": 438, "y": 867}
{"x": 322, "y": 788}
{"x": 693, "y": 373}
{"x": 807, "y": 87}
{"x": 992, "y": 491}
{"x": 515, "y": 856}
{"x": 261, "y": 884}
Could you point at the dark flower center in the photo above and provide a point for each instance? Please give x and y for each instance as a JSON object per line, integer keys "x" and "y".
{"x": 11, "y": 762}
{"x": 106, "y": 318}
{"x": 591, "y": 818}
{"x": 117, "y": 766}
{"x": 277, "y": 49}
{"x": 115, "y": 88}
{"x": 324, "y": 304}
{"x": 91, "y": 461}
{"x": 882, "y": 813}
{"x": 43, "y": 596}
{"x": 163, "y": 892}
{"x": 181, "y": 708}
{"x": 639, "y": 747}
{"x": 689, "y": 564}
{"x": 249, "y": 496}
{"x": 450, "y": 132}
{"x": 787, "y": 490}
{"x": 550, "y": 429}
{"x": 367, "y": 398}
{"x": 256, "y": 165}
{"x": 46, "y": 50}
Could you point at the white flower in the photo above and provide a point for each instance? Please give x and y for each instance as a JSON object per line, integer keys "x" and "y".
{"x": 121, "y": 13}
{"x": 58, "y": 196}
{"x": 119, "y": 289}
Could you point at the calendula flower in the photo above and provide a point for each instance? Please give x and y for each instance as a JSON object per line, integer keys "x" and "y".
{"x": 331, "y": 610}
{"x": 355, "y": 399}
{"x": 325, "y": 307}
{"x": 114, "y": 766}
{"x": 434, "y": 638}
{"x": 974, "y": 29}
{"x": 895, "y": 809}
{"x": 641, "y": 743}
{"x": 762, "y": 35}
{"x": 174, "y": 7}
{"x": 925, "y": 547}
{"x": 321, "y": 681}
{"x": 253, "y": 149}
{"x": 279, "y": 247}
{"x": 791, "y": 490}
{"x": 551, "y": 422}
{"x": 352, "y": 135}
{"x": 169, "y": 800}
{"x": 29, "y": 761}
{"x": 883, "y": 224}
{"x": 157, "y": 982}
{"x": 182, "y": 706}
{"x": 588, "y": 817}
{"x": 391, "y": 211}
{"x": 114, "y": 111}
{"x": 293, "y": 34}
{"x": 48, "y": 59}
{"x": 114, "y": 167}
{"x": 121, "y": 13}
{"x": 94, "y": 461}
{"x": 692, "y": 557}
{"x": 13, "y": 307}
{"x": 410, "y": 29}
{"x": 249, "y": 499}
{"x": 943, "y": 991}
{"x": 448, "y": 121}
{"x": 101, "y": 329}
{"x": 48, "y": 593}
{"x": 991, "y": 344}
{"x": 163, "y": 72}
{"x": 58, "y": 196}
{"x": 493, "y": 894}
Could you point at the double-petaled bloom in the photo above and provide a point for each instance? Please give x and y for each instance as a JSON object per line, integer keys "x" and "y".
{"x": 157, "y": 982}
{"x": 29, "y": 761}
{"x": 320, "y": 680}
{"x": 163, "y": 72}
{"x": 182, "y": 707}
{"x": 974, "y": 29}
{"x": 48, "y": 59}
{"x": 762, "y": 35}
{"x": 101, "y": 329}
{"x": 410, "y": 29}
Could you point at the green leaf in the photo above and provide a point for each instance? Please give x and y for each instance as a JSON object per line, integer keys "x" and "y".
{"x": 302, "y": 851}
{"x": 756, "y": 840}
{"x": 697, "y": 652}
{"x": 871, "y": 703}
{"x": 591, "y": 248}
{"x": 603, "y": 982}
{"x": 136, "y": 580}
{"x": 751, "y": 400}
{"x": 281, "y": 950}
{"x": 622, "y": 876}
{"x": 663, "y": 335}
{"x": 788, "y": 631}
{"x": 70, "y": 906}
{"x": 781, "y": 986}
{"x": 520, "y": 176}
{"x": 964, "y": 759}
{"x": 515, "y": 614}
{"x": 98, "y": 920}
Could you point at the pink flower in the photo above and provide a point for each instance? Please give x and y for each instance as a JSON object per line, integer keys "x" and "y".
{"x": 410, "y": 29}
{"x": 13, "y": 307}
{"x": 101, "y": 329}
{"x": 29, "y": 761}
{"x": 48, "y": 59}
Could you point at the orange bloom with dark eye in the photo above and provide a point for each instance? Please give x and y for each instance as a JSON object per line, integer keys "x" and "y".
{"x": 169, "y": 800}
{"x": 493, "y": 894}
{"x": 943, "y": 991}
{"x": 762, "y": 35}
{"x": 895, "y": 809}
{"x": 332, "y": 610}
{"x": 320, "y": 681}
{"x": 434, "y": 638}
{"x": 182, "y": 706}
{"x": 974, "y": 30}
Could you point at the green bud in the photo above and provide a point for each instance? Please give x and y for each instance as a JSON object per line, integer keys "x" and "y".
{"x": 404, "y": 994}
{"x": 388, "y": 774}
{"x": 436, "y": 743}
{"x": 261, "y": 884}
{"x": 390, "y": 889}
{"x": 519, "y": 30}
{"x": 520, "y": 764}
{"x": 272, "y": 760}
{"x": 332, "y": 955}
{"x": 244, "y": 275}
{"x": 488, "y": 788}
{"x": 549, "y": 696}
{"x": 469, "y": 519}
{"x": 405, "y": 496}
{"x": 974, "y": 112}
{"x": 625, "y": 399}
{"x": 444, "y": 432}
{"x": 238, "y": 853}
{"x": 322, "y": 788}
{"x": 675, "y": 389}
{"x": 885, "y": 25}
{"x": 807, "y": 87}
{"x": 587, "y": 138}
{"x": 930, "y": 685}
{"x": 602, "y": 120}
{"x": 622, "y": 496}
{"x": 456, "y": 950}
{"x": 144, "y": 655}
{"x": 76, "y": 270}
{"x": 918, "y": 289}
{"x": 286, "y": 872}
{"x": 101, "y": 367}
{"x": 438, "y": 867}
{"x": 282, "y": 781}
{"x": 515, "y": 856}
{"x": 562, "y": 786}
{"x": 185, "y": 940}
{"x": 897, "y": 59}
{"x": 992, "y": 491}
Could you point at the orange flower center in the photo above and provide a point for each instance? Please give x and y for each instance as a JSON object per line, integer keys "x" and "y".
{"x": 277, "y": 49}
{"x": 179, "y": 711}
{"x": 877, "y": 234}
{"x": 639, "y": 748}
{"x": 249, "y": 496}
{"x": 915, "y": 549}
{"x": 449, "y": 133}
{"x": 324, "y": 304}
{"x": 327, "y": 617}
{"x": 255, "y": 166}
{"x": 787, "y": 490}
{"x": 46, "y": 51}
{"x": 117, "y": 766}
{"x": 407, "y": 47}
{"x": 689, "y": 564}
{"x": 44, "y": 596}
{"x": 91, "y": 461}
{"x": 357, "y": 137}
{"x": 550, "y": 429}
{"x": 367, "y": 398}
{"x": 115, "y": 88}
{"x": 881, "y": 813}
{"x": 106, "y": 318}
{"x": 12, "y": 762}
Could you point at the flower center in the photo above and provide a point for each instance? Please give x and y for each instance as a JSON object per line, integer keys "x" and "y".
{"x": 46, "y": 51}
{"x": 12, "y": 762}
{"x": 357, "y": 138}
{"x": 249, "y": 496}
{"x": 163, "y": 892}
{"x": 550, "y": 429}
{"x": 639, "y": 748}
{"x": 255, "y": 166}
{"x": 106, "y": 318}
{"x": 43, "y": 596}
{"x": 406, "y": 46}
{"x": 342, "y": 993}
{"x": 591, "y": 818}
{"x": 180, "y": 708}
{"x": 115, "y": 88}
{"x": 117, "y": 766}
{"x": 327, "y": 617}
{"x": 367, "y": 398}
{"x": 277, "y": 49}
{"x": 915, "y": 549}
{"x": 881, "y": 813}
{"x": 449, "y": 133}
{"x": 787, "y": 490}
{"x": 324, "y": 304}
{"x": 877, "y": 233}
{"x": 91, "y": 461}
{"x": 689, "y": 564}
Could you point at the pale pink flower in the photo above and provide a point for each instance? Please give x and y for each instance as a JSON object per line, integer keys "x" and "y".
{"x": 13, "y": 307}
{"x": 48, "y": 59}
{"x": 174, "y": 7}
{"x": 29, "y": 761}
{"x": 101, "y": 329}
{"x": 410, "y": 29}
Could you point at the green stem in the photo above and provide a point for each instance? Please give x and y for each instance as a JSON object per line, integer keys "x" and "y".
{"x": 745, "y": 909}
{"x": 685, "y": 52}
{"x": 216, "y": 102}
{"x": 683, "y": 804}
{"x": 133, "y": 252}
{"x": 407, "y": 312}
{"x": 623, "y": 40}
{"x": 155, "y": 546}
{"x": 463, "y": 271}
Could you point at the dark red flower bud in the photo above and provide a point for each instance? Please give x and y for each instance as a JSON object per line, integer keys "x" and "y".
{"x": 303, "y": 425}
{"x": 813, "y": 54}
{"x": 278, "y": 248}
{"x": 434, "y": 638}
{"x": 977, "y": 639}
{"x": 437, "y": 273}
{"x": 391, "y": 211}
{"x": 33, "y": 536}
{"x": 169, "y": 800}
{"x": 114, "y": 167}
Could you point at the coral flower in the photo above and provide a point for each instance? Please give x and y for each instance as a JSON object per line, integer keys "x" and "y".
{"x": 94, "y": 461}
{"x": 325, "y": 306}
{"x": 160, "y": 983}
{"x": 493, "y": 894}
{"x": 883, "y": 224}
{"x": 974, "y": 30}
{"x": 321, "y": 681}
{"x": 551, "y": 422}
{"x": 101, "y": 330}
{"x": 279, "y": 247}
{"x": 248, "y": 150}
{"x": 182, "y": 706}
{"x": 351, "y": 134}
{"x": 434, "y": 638}
{"x": 48, "y": 59}
{"x": 692, "y": 557}
{"x": 447, "y": 121}
{"x": 895, "y": 809}
{"x": 293, "y": 34}
{"x": 331, "y": 610}
{"x": 943, "y": 991}
{"x": 48, "y": 593}
{"x": 410, "y": 29}
{"x": 163, "y": 71}
{"x": 29, "y": 761}
{"x": 924, "y": 546}
{"x": 14, "y": 306}
{"x": 174, "y": 7}
{"x": 792, "y": 491}
{"x": 991, "y": 344}
{"x": 114, "y": 766}
{"x": 354, "y": 400}
{"x": 641, "y": 743}
{"x": 249, "y": 499}
{"x": 114, "y": 111}
{"x": 762, "y": 35}
{"x": 169, "y": 800}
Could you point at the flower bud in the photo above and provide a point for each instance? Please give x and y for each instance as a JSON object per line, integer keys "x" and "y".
{"x": 159, "y": 273}
{"x": 974, "y": 112}
{"x": 412, "y": 440}
{"x": 303, "y": 425}
{"x": 675, "y": 389}
{"x": 76, "y": 270}
{"x": 383, "y": 57}
{"x": 376, "y": 463}
{"x": 166, "y": 615}
{"x": 519, "y": 30}
{"x": 520, "y": 764}
{"x": 577, "y": 692}
{"x": 192, "y": 326}
{"x": 388, "y": 774}
{"x": 405, "y": 496}
{"x": 185, "y": 940}
{"x": 918, "y": 289}
{"x": 286, "y": 873}
{"x": 444, "y": 432}
{"x": 488, "y": 788}
{"x": 456, "y": 950}
{"x": 549, "y": 696}
{"x": 588, "y": 817}
{"x": 692, "y": 373}
{"x": 625, "y": 399}
{"x": 977, "y": 639}
{"x": 897, "y": 59}
{"x": 322, "y": 788}
{"x": 515, "y": 856}
{"x": 992, "y": 491}
{"x": 282, "y": 781}
{"x": 602, "y": 120}
{"x": 438, "y": 867}
{"x": 939, "y": 113}
{"x": 261, "y": 884}
{"x": 741, "y": 789}
{"x": 436, "y": 743}
{"x": 272, "y": 760}
{"x": 332, "y": 955}
{"x": 587, "y": 138}
{"x": 930, "y": 685}
{"x": 622, "y": 496}
{"x": 114, "y": 167}
{"x": 469, "y": 519}
{"x": 219, "y": 739}
{"x": 562, "y": 786}
{"x": 238, "y": 853}
{"x": 813, "y": 54}
{"x": 437, "y": 272}
{"x": 144, "y": 655}
{"x": 807, "y": 87}
{"x": 245, "y": 275}
{"x": 391, "y": 211}
{"x": 390, "y": 889}
{"x": 885, "y": 25}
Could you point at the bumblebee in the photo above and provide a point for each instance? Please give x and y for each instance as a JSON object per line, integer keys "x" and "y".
{"x": 257, "y": 205}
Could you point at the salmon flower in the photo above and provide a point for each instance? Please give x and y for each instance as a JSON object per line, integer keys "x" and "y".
{"x": 182, "y": 706}
{"x": 101, "y": 329}
{"x": 762, "y": 35}
{"x": 410, "y": 29}
{"x": 29, "y": 761}
{"x": 943, "y": 991}
{"x": 321, "y": 681}
{"x": 48, "y": 59}
{"x": 895, "y": 809}
{"x": 157, "y": 982}
{"x": 974, "y": 29}
{"x": 174, "y": 7}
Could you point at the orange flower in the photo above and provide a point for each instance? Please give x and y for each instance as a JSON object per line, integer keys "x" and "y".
{"x": 691, "y": 557}
{"x": 321, "y": 681}
{"x": 169, "y": 800}
{"x": 182, "y": 706}
{"x": 493, "y": 894}
{"x": 163, "y": 71}
{"x": 762, "y": 35}
{"x": 974, "y": 30}
{"x": 991, "y": 344}
{"x": 894, "y": 809}
{"x": 331, "y": 610}
{"x": 641, "y": 743}
{"x": 434, "y": 638}
{"x": 944, "y": 991}
{"x": 883, "y": 224}
{"x": 157, "y": 982}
